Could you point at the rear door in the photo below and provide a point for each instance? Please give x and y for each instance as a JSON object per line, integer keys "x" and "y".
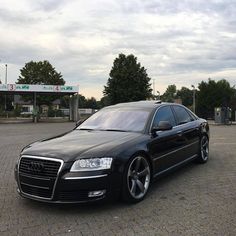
{"x": 188, "y": 128}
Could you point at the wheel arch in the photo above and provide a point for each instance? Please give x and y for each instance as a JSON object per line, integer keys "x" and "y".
{"x": 145, "y": 154}
{"x": 205, "y": 131}
{"x": 204, "y": 134}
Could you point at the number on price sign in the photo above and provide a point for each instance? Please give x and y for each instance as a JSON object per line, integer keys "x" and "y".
{"x": 11, "y": 87}
{"x": 57, "y": 88}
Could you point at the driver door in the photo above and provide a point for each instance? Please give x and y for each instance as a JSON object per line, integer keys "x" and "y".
{"x": 165, "y": 145}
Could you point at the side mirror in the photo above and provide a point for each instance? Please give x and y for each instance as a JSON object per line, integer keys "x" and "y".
{"x": 162, "y": 126}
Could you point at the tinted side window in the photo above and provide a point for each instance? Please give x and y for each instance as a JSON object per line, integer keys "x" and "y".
{"x": 182, "y": 115}
{"x": 192, "y": 116}
{"x": 164, "y": 114}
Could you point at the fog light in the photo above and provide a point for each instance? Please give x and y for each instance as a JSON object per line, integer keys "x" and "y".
{"x": 97, "y": 193}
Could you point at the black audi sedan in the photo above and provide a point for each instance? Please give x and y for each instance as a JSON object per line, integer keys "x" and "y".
{"x": 118, "y": 151}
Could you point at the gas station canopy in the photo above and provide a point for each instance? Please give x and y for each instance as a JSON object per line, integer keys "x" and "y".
{"x": 32, "y": 88}
{"x": 36, "y": 89}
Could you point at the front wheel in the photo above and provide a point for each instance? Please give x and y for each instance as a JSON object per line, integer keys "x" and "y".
{"x": 136, "y": 179}
{"x": 203, "y": 154}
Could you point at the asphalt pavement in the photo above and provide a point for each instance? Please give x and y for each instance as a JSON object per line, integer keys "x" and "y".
{"x": 194, "y": 200}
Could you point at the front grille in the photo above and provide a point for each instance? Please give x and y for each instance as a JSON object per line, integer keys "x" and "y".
{"x": 37, "y": 176}
{"x": 36, "y": 191}
{"x": 39, "y": 167}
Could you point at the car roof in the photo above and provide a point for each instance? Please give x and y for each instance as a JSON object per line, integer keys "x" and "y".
{"x": 146, "y": 105}
{"x": 140, "y": 104}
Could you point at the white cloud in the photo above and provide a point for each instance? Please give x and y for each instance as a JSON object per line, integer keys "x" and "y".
{"x": 179, "y": 42}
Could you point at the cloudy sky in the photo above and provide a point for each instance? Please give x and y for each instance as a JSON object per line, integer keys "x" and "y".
{"x": 178, "y": 42}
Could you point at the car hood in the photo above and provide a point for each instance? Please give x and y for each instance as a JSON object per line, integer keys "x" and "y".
{"x": 80, "y": 143}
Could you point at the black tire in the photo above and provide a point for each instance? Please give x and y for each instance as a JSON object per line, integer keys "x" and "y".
{"x": 136, "y": 179}
{"x": 203, "y": 153}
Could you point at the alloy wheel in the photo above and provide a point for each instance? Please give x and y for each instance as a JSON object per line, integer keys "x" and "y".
{"x": 138, "y": 177}
{"x": 204, "y": 148}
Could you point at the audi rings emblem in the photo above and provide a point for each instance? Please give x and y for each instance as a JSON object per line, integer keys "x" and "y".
{"x": 35, "y": 166}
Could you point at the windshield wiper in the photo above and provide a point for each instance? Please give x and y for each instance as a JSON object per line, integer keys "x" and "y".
{"x": 116, "y": 130}
{"x": 85, "y": 129}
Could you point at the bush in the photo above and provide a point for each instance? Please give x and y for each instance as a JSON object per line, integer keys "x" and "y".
{"x": 17, "y": 111}
{"x": 55, "y": 113}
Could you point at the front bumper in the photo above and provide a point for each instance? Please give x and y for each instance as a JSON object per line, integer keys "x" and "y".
{"x": 71, "y": 187}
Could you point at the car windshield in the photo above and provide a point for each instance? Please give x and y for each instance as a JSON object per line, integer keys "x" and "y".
{"x": 117, "y": 120}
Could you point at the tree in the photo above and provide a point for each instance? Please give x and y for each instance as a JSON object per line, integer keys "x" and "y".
{"x": 170, "y": 94}
{"x": 65, "y": 101}
{"x": 83, "y": 102}
{"x": 128, "y": 81}
{"x": 41, "y": 72}
{"x": 91, "y": 103}
{"x": 186, "y": 96}
{"x": 213, "y": 94}
{"x": 104, "y": 102}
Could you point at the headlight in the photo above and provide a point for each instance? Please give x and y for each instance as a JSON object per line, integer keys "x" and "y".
{"x": 103, "y": 163}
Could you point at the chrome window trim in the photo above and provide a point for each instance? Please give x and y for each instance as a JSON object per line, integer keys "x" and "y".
{"x": 41, "y": 158}
{"x": 174, "y": 127}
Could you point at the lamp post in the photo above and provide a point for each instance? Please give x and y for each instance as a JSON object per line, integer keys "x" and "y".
{"x": 194, "y": 98}
{"x": 154, "y": 87}
{"x": 5, "y": 105}
{"x": 6, "y": 75}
